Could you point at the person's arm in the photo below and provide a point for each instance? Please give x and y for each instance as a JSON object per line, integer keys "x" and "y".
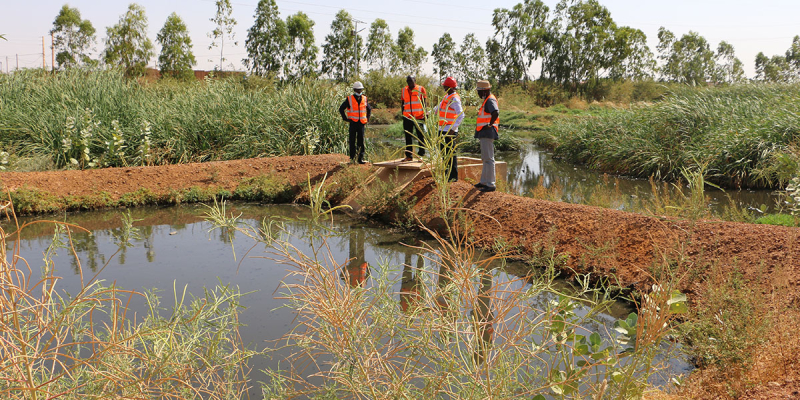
{"x": 494, "y": 110}
{"x": 459, "y": 111}
{"x": 424, "y": 100}
{"x": 342, "y": 108}
{"x": 369, "y": 111}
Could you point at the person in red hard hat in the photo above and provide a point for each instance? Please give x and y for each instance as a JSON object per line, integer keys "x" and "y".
{"x": 414, "y": 98}
{"x": 450, "y": 116}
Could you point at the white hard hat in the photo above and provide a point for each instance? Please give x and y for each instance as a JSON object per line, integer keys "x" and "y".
{"x": 358, "y": 85}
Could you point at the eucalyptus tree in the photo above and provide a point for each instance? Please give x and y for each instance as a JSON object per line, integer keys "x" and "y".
{"x": 471, "y": 62}
{"x": 176, "y": 58}
{"x": 341, "y": 47}
{"x": 73, "y": 38}
{"x": 775, "y": 69}
{"x": 224, "y": 21}
{"x": 520, "y": 35}
{"x": 687, "y": 60}
{"x": 127, "y": 44}
{"x": 301, "y": 52}
{"x": 378, "y": 50}
{"x": 580, "y": 38}
{"x": 444, "y": 56}
{"x": 267, "y": 41}
{"x": 408, "y": 57}
{"x": 630, "y": 56}
{"x": 793, "y": 55}
{"x": 729, "y": 69}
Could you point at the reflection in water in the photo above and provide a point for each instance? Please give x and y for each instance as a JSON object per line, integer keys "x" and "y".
{"x": 356, "y": 271}
{"x": 532, "y": 166}
{"x": 175, "y": 248}
{"x": 483, "y": 319}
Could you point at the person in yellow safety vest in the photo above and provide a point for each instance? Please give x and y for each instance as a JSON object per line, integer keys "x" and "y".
{"x": 357, "y": 114}
{"x": 487, "y": 132}
{"x": 450, "y": 116}
{"x": 414, "y": 100}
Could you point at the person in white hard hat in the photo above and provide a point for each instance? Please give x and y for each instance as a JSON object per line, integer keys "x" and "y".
{"x": 356, "y": 111}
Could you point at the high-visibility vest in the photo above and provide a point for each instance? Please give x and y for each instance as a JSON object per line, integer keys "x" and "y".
{"x": 412, "y": 104}
{"x": 484, "y": 118}
{"x": 357, "y": 112}
{"x": 447, "y": 114}
{"x": 358, "y": 274}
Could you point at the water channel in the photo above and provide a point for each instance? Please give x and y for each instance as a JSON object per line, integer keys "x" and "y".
{"x": 178, "y": 248}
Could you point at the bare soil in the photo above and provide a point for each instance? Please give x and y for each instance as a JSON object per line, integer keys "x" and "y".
{"x": 601, "y": 241}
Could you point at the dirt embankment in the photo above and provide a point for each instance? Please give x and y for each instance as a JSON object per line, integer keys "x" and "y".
{"x": 605, "y": 242}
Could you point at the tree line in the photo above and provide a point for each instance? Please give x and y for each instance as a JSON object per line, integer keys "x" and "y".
{"x": 576, "y": 42}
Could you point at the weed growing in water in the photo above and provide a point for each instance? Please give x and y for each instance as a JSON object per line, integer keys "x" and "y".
{"x": 88, "y": 345}
{"x": 464, "y": 333}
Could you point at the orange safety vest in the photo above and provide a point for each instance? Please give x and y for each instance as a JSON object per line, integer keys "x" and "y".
{"x": 447, "y": 114}
{"x": 357, "y": 112}
{"x": 484, "y": 118}
{"x": 412, "y": 106}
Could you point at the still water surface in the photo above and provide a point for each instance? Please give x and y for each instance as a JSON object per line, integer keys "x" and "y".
{"x": 178, "y": 248}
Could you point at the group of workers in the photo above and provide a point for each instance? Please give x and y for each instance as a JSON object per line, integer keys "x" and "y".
{"x": 357, "y": 111}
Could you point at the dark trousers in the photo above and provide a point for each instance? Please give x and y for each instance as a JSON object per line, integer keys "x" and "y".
{"x": 412, "y": 130}
{"x": 448, "y": 144}
{"x": 356, "y": 141}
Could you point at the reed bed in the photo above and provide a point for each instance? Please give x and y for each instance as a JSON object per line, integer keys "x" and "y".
{"x": 746, "y": 135}
{"x": 99, "y": 118}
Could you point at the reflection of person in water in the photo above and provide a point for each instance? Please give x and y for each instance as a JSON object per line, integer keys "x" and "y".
{"x": 483, "y": 319}
{"x": 357, "y": 270}
{"x": 410, "y": 285}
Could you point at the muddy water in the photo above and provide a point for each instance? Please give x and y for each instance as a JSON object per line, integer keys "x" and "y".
{"x": 177, "y": 248}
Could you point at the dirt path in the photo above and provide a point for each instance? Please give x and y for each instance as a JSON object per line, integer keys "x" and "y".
{"x": 602, "y": 241}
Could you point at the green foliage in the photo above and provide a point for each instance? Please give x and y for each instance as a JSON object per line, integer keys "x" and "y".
{"x": 224, "y": 24}
{"x": 63, "y": 115}
{"x": 778, "y": 219}
{"x": 385, "y": 89}
{"x": 264, "y": 188}
{"x": 266, "y": 41}
{"x": 406, "y": 57}
{"x": 730, "y": 321}
{"x": 301, "y": 53}
{"x": 176, "y": 58}
{"x": 73, "y": 38}
{"x": 518, "y": 41}
{"x": 341, "y": 48}
{"x": 735, "y": 130}
{"x": 444, "y": 57}
{"x": 378, "y": 51}
{"x": 127, "y": 44}
{"x": 470, "y": 62}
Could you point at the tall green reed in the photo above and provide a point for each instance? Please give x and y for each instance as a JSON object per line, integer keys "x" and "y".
{"x": 134, "y": 124}
{"x": 741, "y": 132}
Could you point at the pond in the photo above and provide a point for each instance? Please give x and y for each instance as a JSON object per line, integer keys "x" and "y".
{"x": 178, "y": 248}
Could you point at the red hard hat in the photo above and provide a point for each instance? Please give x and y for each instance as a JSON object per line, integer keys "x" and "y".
{"x": 450, "y": 82}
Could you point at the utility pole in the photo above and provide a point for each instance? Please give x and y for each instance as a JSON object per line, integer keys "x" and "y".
{"x": 355, "y": 40}
{"x": 52, "y": 52}
{"x": 44, "y": 59}
{"x": 17, "y": 62}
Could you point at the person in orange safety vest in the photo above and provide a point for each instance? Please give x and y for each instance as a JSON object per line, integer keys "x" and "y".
{"x": 450, "y": 116}
{"x": 487, "y": 132}
{"x": 356, "y": 110}
{"x": 414, "y": 99}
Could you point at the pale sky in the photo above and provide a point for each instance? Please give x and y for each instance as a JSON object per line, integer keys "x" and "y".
{"x": 750, "y": 26}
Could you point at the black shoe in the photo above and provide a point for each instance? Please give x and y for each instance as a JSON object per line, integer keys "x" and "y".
{"x": 479, "y": 185}
{"x": 487, "y": 189}
{"x": 363, "y": 162}
{"x": 421, "y": 153}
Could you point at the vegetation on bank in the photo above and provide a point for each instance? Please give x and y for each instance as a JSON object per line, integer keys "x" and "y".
{"x": 745, "y": 136}
{"x": 84, "y": 119}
